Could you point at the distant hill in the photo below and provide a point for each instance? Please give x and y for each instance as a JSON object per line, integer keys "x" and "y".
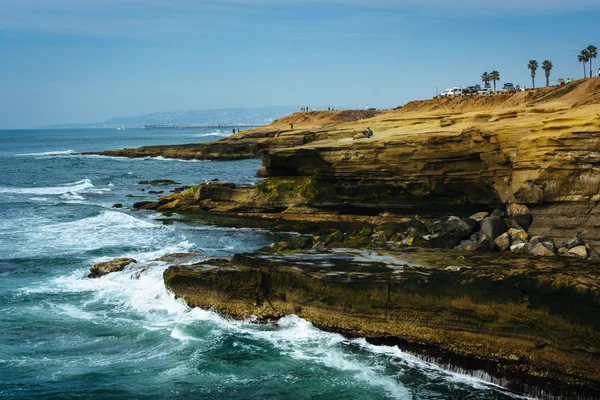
{"x": 228, "y": 116}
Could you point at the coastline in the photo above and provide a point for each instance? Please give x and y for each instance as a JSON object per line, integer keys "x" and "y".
{"x": 432, "y": 161}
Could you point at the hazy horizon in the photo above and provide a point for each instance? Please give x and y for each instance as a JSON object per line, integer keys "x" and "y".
{"x": 76, "y": 61}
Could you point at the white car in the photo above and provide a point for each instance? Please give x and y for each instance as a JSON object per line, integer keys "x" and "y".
{"x": 485, "y": 91}
{"x": 455, "y": 91}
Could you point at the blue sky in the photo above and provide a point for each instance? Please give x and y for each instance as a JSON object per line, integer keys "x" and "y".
{"x": 69, "y": 61}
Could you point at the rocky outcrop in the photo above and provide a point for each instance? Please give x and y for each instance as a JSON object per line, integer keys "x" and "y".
{"x": 531, "y": 324}
{"x": 118, "y": 264}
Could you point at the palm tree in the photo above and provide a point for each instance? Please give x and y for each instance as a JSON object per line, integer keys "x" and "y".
{"x": 584, "y": 57}
{"x": 486, "y": 78}
{"x": 495, "y": 76}
{"x": 547, "y": 67}
{"x": 533, "y": 66}
{"x": 592, "y": 53}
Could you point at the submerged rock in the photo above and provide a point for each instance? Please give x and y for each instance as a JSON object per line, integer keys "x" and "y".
{"x": 118, "y": 264}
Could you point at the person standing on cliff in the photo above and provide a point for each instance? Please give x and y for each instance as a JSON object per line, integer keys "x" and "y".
{"x": 292, "y": 127}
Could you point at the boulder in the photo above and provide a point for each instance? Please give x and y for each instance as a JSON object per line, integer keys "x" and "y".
{"x": 498, "y": 213}
{"x": 118, "y": 264}
{"x": 539, "y": 239}
{"x": 467, "y": 245}
{"x": 480, "y": 216}
{"x": 594, "y": 255}
{"x": 578, "y": 251}
{"x": 379, "y": 239}
{"x": 575, "y": 242}
{"x": 485, "y": 243}
{"x": 517, "y": 209}
{"x": 159, "y": 182}
{"x": 143, "y": 204}
{"x": 562, "y": 251}
{"x": 334, "y": 237}
{"x": 541, "y": 250}
{"x": 117, "y": 205}
{"x": 492, "y": 227}
{"x": 503, "y": 241}
{"x": 301, "y": 242}
{"x": 518, "y": 234}
{"x": 520, "y": 221}
{"x": 520, "y": 248}
{"x": 416, "y": 227}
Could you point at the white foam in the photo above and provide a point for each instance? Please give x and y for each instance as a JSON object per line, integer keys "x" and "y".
{"x": 50, "y": 153}
{"x": 73, "y": 187}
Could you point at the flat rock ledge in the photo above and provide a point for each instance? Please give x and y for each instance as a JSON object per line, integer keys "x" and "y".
{"x": 531, "y": 323}
{"x": 118, "y": 264}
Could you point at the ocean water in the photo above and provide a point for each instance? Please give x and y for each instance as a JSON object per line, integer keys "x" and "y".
{"x": 63, "y": 335}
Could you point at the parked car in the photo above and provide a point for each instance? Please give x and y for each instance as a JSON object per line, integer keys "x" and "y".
{"x": 486, "y": 91}
{"x": 471, "y": 89}
{"x": 509, "y": 88}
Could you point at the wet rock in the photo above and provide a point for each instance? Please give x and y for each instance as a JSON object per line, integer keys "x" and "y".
{"x": 118, "y": 264}
{"x": 334, "y": 237}
{"x": 379, "y": 239}
{"x": 578, "y": 251}
{"x": 492, "y": 227}
{"x": 179, "y": 257}
{"x": 541, "y": 250}
{"x": 480, "y": 216}
{"x": 155, "y": 191}
{"x": 518, "y": 234}
{"x": 594, "y": 255}
{"x": 436, "y": 226}
{"x": 143, "y": 204}
{"x": 301, "y": 242}
{"x": 416, "y": 227}
{"x": 159, "y": 182}
{"x": 117, "y": 205}
{"x": 503, "y": 241}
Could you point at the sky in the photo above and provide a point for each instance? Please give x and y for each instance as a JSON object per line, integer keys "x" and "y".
{"x": 80, "y": 61}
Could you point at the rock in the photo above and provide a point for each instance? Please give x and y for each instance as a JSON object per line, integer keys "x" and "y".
{"x": 503, "y": 241}
{"x": 389, "y": 229}
{"x": 453, "y": 231}
{"x": 467, "y": 245}
{"x": 117, "y": 205}
{"x": 301, "y": 242}
{"x": 215, "y": 180}
{"x": 517, "y": 209}
{"x": 518, "y": 234}
{"x": 155, "y": 191}
{"x": 444, "y": 122}
{"x": 179, "y": 257}
{"x": 118, "y": 264}
{"x": 479, "y": 216}
{"x": 416, "y": 227}
{"x": 485, "y": 243}
{"x": 578, "y": 251}
{"x": 549, "y": 244}
{"x": 436, "y": 226}
{"x": 519, "y": 221}
{"x": 575, "y": 242}
{"x": 562, "y": 251}
{"x": 143, "y": 204}
{"x": 334, "y": 237}
{"x": 520, "y": 248}
{"x": 498, "y": 213}
{"x": 541, "y": 250}
{"x": 379, "y": 239}
{"x": 594, "y": 255}
{"x": 539, "y": 239}
{"x": 159, "y": 182}
{"x": 492, "y": 227}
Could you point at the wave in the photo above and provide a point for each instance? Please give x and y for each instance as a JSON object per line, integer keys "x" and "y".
{"x": 50, "y": 153}
{"x": 72, "y": 187}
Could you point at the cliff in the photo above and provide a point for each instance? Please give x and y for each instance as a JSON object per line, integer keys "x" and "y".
{"x": 530, "y": 324}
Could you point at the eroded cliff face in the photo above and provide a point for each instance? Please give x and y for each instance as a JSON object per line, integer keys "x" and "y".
{"x": 530, "y": 323}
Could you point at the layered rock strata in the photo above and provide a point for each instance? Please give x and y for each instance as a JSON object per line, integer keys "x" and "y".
{"x": 531, "y": 324}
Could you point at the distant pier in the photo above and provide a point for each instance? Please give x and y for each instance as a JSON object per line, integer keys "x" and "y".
{"x": 185, "y": 126}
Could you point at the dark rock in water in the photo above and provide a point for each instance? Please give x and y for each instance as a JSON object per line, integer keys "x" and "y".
{"x": 492, "y": 227}
{"x": 541, "y": 250}
{"x": 159, "y": 182}
{"x": 179, "y": 189}
{"x": 179, "y": 257}
{"x": 117, "y": 205}
{"x": 142, "y": 204}
{"x": 485, "y": 243}
{"x": 215, "y": 180}
{"x": 155, "y": 191}
{"x": 334, "y": 237}
{"x": 301, "y": 242}
{"x": 103, "y": 268}
{"x": 576, "y": 241}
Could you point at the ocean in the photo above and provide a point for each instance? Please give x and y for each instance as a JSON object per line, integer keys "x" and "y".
{"x": 64, "y": 336}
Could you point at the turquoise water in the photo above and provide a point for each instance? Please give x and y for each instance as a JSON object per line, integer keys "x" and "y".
{"x": 63, "y": 335}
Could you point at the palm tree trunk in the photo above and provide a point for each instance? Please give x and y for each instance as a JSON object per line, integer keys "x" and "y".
{"x": 584, "y": 73}
{"x": 494, "y": 86}
{"x": 591, "y": 68}
{"x": 547, "y": 81}
{"x": 532, "y": 82}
